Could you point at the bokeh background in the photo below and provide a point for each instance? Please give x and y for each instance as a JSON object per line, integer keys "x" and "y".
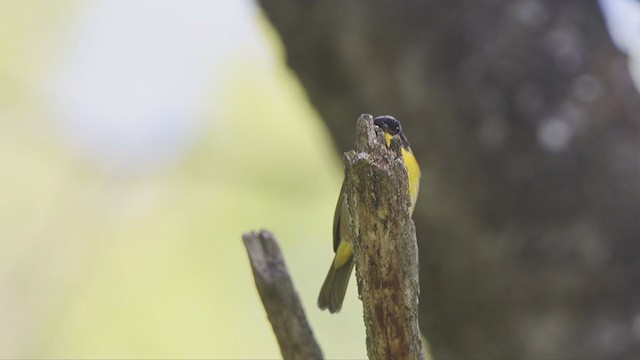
{"x": 138, "y": 140}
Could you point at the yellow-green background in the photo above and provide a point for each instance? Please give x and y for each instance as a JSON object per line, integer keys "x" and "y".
{"x": 150, "y": 264}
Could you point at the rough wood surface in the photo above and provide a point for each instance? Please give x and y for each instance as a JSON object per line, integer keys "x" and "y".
{"x": 385, "y": 247}
{"x": 280, "y": 298}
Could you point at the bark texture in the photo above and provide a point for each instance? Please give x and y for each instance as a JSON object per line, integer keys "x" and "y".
{"x": 526, "y": 124}
{"x": 280, "y": 298}
{"x": 385, "y": 246}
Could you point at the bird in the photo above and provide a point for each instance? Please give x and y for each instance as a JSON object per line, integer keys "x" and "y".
{"x": 335, "y": 284}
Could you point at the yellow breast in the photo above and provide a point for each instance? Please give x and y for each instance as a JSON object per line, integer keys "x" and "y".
{"x": 414, "y": 176}
{"x": 414, "y": 172}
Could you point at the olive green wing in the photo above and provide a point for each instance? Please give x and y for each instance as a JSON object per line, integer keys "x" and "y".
{"x": 336, "y": 218}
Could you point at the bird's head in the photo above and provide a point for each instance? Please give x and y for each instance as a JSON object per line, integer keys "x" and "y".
{"x": 391, "y": 127}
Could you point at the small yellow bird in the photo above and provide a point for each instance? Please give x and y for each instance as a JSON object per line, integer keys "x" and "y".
{"x": 335, "y": 285}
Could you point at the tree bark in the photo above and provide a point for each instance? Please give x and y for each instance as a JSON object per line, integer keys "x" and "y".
{"x": 525, "y": 121}
{"x": 280, "y": 299}
{"x": 385, "y": 249}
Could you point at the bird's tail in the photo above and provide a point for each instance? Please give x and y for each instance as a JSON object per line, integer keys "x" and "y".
{"x": 335, "y": 286}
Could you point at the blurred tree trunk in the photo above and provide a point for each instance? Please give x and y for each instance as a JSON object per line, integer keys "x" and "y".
{"x": 526, "y": 123}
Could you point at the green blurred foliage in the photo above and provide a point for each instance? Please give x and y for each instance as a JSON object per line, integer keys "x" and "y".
{"x": 99, "y": 265}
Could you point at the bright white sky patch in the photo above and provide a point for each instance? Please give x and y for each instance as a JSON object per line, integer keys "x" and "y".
{"x": 623, "y": 21}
